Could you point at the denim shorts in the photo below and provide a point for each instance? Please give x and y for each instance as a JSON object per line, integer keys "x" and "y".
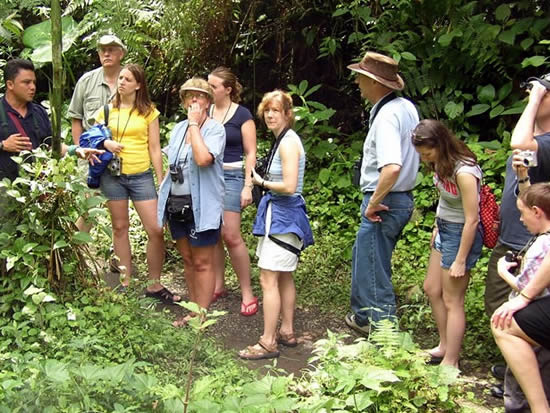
{"x": 234, "y": 182}
{"x": 447, "y": 243}
{"x": 186, "y": 229}
{"x": 137, "y": 187}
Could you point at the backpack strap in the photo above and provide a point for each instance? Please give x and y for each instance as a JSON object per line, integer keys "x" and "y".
{"x": 286, "y": 245}
{"x": 4, "y": 121}
{"x": 106, "y": 114}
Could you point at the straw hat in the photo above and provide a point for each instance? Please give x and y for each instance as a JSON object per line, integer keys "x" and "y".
{"x": 197, "y": 84}
{"x": 381, "y": 68}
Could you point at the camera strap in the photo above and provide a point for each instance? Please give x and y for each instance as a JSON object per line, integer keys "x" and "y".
{"x": 522, "y": 252}
{"x": 359, "y": 163}
{"x": 274, "y": 148}
{"x": 125, "y": 126}
{"x": 178, "y": 153}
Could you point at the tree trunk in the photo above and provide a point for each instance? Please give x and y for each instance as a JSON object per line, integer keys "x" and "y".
{"x": 56, "y": 96}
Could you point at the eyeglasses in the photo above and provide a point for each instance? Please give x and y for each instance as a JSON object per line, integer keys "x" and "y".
{"x": 192, "y": 94}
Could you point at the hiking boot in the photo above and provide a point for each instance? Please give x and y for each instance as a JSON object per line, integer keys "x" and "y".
{"x": 350, "y": 321}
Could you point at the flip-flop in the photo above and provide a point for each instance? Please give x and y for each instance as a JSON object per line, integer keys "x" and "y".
{"x": 164, "y": 295}
{"x": 217, "y": 295}
{"x": 251, "y": 308}
{"x": 288, "y": 340}
{"x": 259, "y": 351}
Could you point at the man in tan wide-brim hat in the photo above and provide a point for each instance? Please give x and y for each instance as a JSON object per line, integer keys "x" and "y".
{"x": 388, "y": 174}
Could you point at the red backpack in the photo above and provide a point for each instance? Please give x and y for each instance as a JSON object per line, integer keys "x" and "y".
{"x": 489, "y": 214}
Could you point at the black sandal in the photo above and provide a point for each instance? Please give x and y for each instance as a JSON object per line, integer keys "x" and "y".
{"x": 163, "y": 295}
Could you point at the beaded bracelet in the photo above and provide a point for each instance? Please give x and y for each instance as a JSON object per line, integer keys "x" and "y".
{"x": 71, "y": 150}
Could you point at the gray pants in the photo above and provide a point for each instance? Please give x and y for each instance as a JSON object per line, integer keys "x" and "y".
{"x": 514, "y": 399}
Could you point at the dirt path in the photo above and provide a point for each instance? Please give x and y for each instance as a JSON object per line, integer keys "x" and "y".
{"x": 235, "y": 332}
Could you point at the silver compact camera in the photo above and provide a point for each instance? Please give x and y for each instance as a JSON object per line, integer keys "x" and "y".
{"x": 529, "y": 158}
{"x": 115, "y": 166}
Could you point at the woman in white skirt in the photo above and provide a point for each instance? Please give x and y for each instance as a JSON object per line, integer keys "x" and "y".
{"x": 282, "y": 224}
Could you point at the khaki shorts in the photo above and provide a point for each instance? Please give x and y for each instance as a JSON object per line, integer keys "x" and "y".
{"x": 273, "y": 257}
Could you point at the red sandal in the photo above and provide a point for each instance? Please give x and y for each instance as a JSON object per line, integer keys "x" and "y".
{"x": 217, "y": 295}
{"x": 251, "y": 308}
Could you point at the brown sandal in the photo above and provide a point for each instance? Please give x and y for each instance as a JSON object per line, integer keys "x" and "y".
{"x": 288, "y": 340}
{"x": 259, "y": 351}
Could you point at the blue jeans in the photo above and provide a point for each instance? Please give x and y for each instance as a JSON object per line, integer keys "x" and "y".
{"x": 372, "y": 296}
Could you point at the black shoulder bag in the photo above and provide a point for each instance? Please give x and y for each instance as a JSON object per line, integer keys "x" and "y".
{"x": 179, "y": 207}
{"x": 263, "y": 165}
{"x": 357, "y": 166}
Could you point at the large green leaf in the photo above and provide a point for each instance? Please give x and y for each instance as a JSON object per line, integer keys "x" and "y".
{"x": 478, "y": 109}
{"x": 486, "y": 94}
{"x": 56, "y": 371}
{"x": 453, "y": 109}
{"x": 502, "y": 12}
{"x": 533, "y": 61}
{"x": 38, "y": 37}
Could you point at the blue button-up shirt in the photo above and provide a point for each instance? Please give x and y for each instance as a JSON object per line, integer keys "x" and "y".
{"x": 207, "y": 184}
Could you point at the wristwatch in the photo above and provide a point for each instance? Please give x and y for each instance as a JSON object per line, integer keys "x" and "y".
{"x": 1, "y": 145}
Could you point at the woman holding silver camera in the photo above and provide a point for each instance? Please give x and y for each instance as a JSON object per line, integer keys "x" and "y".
{"x": 191, "y": 195}
{"x": 283, "y": 226}
{"x": 457, "y": 239}
{"x": 135, "y": 143}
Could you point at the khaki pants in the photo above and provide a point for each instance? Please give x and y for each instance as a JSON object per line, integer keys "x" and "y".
{"x": 496, "y": 289}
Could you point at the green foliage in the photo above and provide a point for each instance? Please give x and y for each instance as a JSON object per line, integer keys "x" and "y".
{"x": 40, "y": 242}
{"x": 38, "y": 37}
{"x": 460, "y": 59}
{"x": 385, "y": 373}
{"x": 102, "y": 352}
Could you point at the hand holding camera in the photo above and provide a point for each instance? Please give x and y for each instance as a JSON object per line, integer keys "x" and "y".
{"x": 509, "y": 263}
{"x": 256, "y": 178}
{"x": 522, "y": 160}
{"x": 113, "y": 146}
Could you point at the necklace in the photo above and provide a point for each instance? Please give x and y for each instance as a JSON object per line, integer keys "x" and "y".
{"x": 117, "y": 124}
{"x": 226, "y": 112}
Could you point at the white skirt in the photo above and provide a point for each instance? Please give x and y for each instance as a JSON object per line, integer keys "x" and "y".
{"x": 273, "y": 257}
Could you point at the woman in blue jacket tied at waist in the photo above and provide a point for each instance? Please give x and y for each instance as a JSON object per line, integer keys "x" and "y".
{"x": 282, "y": 224}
